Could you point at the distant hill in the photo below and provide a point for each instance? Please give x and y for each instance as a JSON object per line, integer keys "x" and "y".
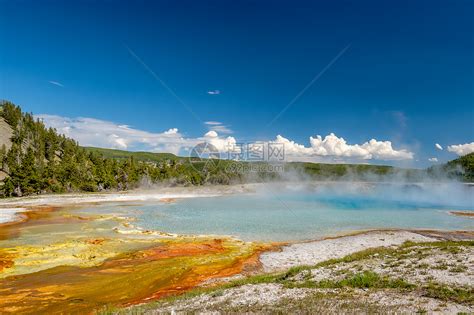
{"x": 138, "y": 156}
{"x": 362, "y": 172}
{"x": 257, "y": 171}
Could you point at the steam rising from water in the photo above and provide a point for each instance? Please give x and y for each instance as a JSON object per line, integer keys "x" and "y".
{"x": 295, "y": 209}
{"x": 410, "y": 186}
{"x": 444, "y": 194}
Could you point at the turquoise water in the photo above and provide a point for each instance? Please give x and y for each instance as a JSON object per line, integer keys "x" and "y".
{"x": 291, "y": 213}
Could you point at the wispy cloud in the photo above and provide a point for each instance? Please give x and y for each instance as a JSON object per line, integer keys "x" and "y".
{"x": 438, "y": 146}
{"x": 107, "y": 134}
{"x": 433, "y": 159}
{"x": 56, "y": 83}
{"x": 400, "y": 118}
{"x": 218, "y": 127}
{"x": 214, "y": 92}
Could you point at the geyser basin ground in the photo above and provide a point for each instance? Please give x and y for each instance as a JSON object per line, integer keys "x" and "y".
{"x": 67, "y": 249}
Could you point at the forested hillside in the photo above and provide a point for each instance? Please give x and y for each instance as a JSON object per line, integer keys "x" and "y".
{"x": 462, "y": 168}
{"x": 40, "y": 161}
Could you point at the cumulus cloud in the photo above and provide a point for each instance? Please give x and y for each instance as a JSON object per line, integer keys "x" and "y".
{"x": 334, "y": 146}
{"x": 218, "y": 127}
{"x": 171, "y": 131}
{"x": 107, "y": 134}
{"x": 56, "y": 83}
{"x": 461, "y": 149}
{"x": 222, "y": 144}
{"x": 293, "y": 148}
{"x": 433, "y": 159}
{"x": 438, "y": 146}
{"x": 211, "y": 134}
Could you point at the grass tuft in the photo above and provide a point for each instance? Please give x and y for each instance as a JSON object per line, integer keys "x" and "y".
{"x": 445, "y": 293}
{"x": 363, "y": 280}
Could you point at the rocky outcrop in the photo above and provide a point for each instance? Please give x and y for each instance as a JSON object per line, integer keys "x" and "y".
{"x": 6, "y": 133}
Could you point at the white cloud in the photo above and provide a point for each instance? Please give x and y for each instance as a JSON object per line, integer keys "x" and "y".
{"x": 293, "y": 148}
{"x": 56, "y": 83}
{"x": 211, "y": 134}
{"x": 337, "y": 149}
{"x": 438, "y": 146}
{"x": 218, "y": 127}
{"x": 332, "y": 145}
{"x": 171, "y": 131}
{"x": 222, "y": 129}
{"x": 222, "y": 144}
{"x": 461, "y": 149}
{"x": 214, "y": 92}
{"x": 116, "y": 142}
{"x": 433, "y": 159}
{"x": 100, "y": 133}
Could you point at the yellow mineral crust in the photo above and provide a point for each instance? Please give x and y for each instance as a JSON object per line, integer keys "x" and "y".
{"x": 62, "y": 262}
{"x": 168, "y": 268}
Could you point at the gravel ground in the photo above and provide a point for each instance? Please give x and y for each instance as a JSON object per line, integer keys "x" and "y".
{"x": 311, "y": 253}
{"x": 274, "y": 298}
{"x": 419, "y": 266}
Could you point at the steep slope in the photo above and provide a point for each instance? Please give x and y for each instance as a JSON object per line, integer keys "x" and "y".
{"x": 6, "y": 134}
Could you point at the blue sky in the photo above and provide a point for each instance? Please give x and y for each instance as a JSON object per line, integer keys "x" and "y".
{"x": 405, "y": 76}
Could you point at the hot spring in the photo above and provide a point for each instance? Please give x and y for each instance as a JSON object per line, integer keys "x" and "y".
{"x": 291, "y": 212}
